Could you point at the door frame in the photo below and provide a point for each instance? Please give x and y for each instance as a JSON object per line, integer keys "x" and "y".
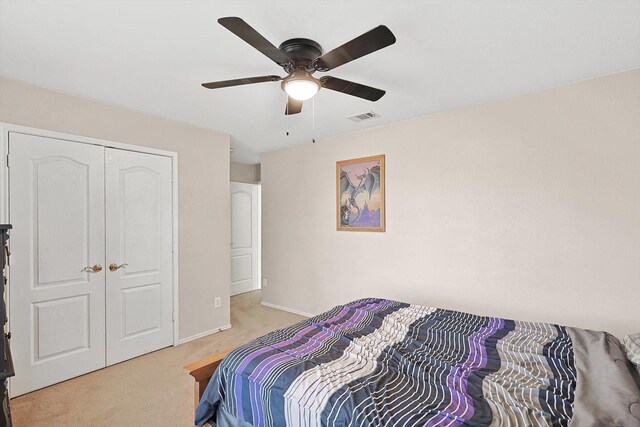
{"x": 6, "y": 128}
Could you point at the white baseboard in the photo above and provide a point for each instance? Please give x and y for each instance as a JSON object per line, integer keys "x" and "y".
{"x": 290, "y": 310}
{"x": 203, "y": 334}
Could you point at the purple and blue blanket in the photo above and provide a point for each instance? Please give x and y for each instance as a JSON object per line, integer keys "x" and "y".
{"x": 376, "y": 362}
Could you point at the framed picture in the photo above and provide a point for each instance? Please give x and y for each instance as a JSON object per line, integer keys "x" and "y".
{"x": 360, "y": 194}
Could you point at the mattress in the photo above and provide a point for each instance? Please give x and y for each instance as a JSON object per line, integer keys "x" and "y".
{"x": 377, "y": 362}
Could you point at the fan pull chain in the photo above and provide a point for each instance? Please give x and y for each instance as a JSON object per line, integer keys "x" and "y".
{"x": 313, "y": 120}
{"x": 286, "y": 116}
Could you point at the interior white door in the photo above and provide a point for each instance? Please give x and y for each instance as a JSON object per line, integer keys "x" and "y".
{"x": 139, "y": 243}
{"x": 57, "y": 301}
{"x": 244, "y": 238}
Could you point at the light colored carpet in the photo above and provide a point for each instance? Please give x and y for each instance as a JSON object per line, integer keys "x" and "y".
{"x": 151, "y": 390}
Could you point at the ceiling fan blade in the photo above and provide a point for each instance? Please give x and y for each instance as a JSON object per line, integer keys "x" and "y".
{"x": 238, "y": 82}
{"x": 293, "y": 106}
{"x": 246, "y": 32}
{"x": 351, "y": 88}
{"x": 376, "y": 39}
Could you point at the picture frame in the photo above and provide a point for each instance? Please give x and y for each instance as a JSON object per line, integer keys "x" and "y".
{"x": 360, "y": 194}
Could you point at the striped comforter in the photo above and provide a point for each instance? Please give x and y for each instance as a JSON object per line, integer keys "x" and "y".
{"x": 381, "y": 363}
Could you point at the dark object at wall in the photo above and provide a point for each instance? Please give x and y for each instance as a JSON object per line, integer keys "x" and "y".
{"x": 6, "y": 364}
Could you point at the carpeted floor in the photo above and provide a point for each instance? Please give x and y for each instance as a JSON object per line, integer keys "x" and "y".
{"x": 151, "y": 390}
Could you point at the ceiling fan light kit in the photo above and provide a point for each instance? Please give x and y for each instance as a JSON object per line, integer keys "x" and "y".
{"x": 300, "y": 58}
{"x": 301, "y": 85}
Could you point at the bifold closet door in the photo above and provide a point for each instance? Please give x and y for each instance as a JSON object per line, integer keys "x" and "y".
{"x": 57, "y": 290}
{"x": 139, "y": 253}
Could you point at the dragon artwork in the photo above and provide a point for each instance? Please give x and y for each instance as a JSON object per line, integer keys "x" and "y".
{"x": 367, "y": 183}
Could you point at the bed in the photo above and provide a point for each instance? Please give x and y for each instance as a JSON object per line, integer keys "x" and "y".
{"x": 377, "y": 362}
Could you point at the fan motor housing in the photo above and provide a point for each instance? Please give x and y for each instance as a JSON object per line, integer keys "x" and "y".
{"x": 301, "y": 51}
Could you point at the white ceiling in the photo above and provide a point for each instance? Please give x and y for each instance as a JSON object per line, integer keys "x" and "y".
{"x": 152, "y": 56}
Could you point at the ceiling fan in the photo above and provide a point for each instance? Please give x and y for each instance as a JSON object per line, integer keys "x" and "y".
{"x": 300, "y": 58}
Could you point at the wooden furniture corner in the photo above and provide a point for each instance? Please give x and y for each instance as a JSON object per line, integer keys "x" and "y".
{"x": 202, "y": 370}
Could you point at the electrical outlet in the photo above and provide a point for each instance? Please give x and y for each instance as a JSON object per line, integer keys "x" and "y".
{"x": 217, "y": 302}
{"x": 264, "y": 282}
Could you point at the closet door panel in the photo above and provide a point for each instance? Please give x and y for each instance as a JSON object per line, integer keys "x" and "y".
{"x": 139, "y": 239}
{"x": 57, "y": 300}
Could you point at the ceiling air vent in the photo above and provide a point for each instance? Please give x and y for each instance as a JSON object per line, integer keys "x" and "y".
{"x": 363, "y": 116}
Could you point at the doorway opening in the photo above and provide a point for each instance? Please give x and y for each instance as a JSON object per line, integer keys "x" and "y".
{"x": 245, "y": 238}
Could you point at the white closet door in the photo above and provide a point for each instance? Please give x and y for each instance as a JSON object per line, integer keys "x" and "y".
{"x": 244, "y": 237}
{"x": 139, "y": 239}
{"x": 57, "y": 302}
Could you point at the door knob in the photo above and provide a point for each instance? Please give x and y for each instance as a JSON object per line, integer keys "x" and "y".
{"x": 114, "y": 266}
{"x": 95, "y": 269}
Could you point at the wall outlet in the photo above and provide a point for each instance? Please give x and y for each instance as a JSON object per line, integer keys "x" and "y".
{"x": 217, "y": 302}
{"x": 264, "y": 282}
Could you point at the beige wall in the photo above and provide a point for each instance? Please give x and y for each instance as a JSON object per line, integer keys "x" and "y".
{"x": 241, "y": 172}
{"x": 203, "y": 177}
{"x": 526, "y": 208}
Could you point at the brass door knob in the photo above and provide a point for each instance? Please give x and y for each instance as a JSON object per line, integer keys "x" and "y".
{"x": 95, "y": 269}
{"x": 114, "y": 266}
